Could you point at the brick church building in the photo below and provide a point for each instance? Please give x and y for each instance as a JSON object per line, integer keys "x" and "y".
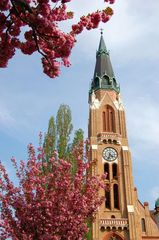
{"x": 122, "y": 216}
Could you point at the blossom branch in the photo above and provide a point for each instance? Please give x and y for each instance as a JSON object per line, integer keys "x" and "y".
{"x": 50, "y": 41}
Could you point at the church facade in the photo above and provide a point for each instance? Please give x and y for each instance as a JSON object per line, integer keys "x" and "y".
{"x": 121, "y": 216}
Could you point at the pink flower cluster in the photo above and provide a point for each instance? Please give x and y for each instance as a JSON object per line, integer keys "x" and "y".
{"x": 92, "y": 20}
{"x": 44, "y": 34}
{"x": 50, "y": 203}
{"x": 110, "y": 1}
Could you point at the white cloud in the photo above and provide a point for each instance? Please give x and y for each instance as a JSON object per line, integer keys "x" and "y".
{"x": 6, "y": 118}
{"x": 131, "y": 32}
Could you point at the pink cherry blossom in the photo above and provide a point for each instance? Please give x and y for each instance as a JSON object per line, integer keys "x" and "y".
{"x": 50, "y": 202}
{"x": 39, "y": 21}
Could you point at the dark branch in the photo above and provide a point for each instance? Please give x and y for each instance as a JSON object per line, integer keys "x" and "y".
{"x": 25, "y": 7}
{"x": 38, "y": 49}
{"x": 23, "y": 4}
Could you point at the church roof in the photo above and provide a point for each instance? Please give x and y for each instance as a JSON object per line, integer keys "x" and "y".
{"x": 157, "y": 203}
{"x": 104, "y": 77}
{"x": 103, "y": 63}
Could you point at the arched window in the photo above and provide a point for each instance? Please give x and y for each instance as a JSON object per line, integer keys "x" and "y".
{"x": 107, "y": 197}
{"x": 114, "y": 141}
{"x": 115, "y": 170}
{"x": 113, "y": 236}
{"x": 116, "y": 196}
{"x": 104, "y": 121}
{"x": 108, "y": 119}
{"x": 143, "y": 226}
{"x": 105, "y": 81}
{"x": 106, "y": 169}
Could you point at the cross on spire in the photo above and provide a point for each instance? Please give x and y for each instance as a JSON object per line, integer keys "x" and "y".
{"x": 101, "y": 31}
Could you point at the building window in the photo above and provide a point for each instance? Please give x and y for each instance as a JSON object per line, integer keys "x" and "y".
{"x": 115, "y": 170}
{"x": 104, "y": 122}
{"x": 108, "y": 119}
{"x": 107, "y": 197}
{"x": 113, "y": 238}
{"x": 106, "y": 170}
{"x": 143, "y": 226}
{"x": 116, "y": 196}
{"x": 105, "y": 81}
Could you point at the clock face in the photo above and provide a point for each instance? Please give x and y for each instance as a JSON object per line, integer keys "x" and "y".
{"x": 110, "y": 154}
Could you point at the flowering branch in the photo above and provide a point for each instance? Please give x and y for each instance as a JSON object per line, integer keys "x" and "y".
{"x": 44, "y": 34}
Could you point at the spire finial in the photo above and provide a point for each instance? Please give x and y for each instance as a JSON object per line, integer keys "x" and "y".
{"x": 101, "y": 31}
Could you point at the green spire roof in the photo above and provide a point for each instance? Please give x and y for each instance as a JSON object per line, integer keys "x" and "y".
{"x": 104, "y": 77}
{"x": 102, "y": 47}
{"x": 157, "y": 203}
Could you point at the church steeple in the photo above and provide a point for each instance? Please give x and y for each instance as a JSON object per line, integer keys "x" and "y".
{"x": 121, "y": 216}
{"x": 104, "y": 77}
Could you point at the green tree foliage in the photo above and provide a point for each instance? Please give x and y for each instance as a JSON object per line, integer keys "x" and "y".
{"x": 78, "y": 141}
{"x": 78, "y": 137}
{"x": 50, "y": 139}
{"x": 58, "y": 136}
{"x": 89, "y": 234}
{"x": 64, "y": 128}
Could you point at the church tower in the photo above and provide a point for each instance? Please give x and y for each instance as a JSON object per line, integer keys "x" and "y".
{"x": 119, "y": 217}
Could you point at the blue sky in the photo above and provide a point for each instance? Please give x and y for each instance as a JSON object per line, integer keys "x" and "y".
{"x": 28, "y": 97}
